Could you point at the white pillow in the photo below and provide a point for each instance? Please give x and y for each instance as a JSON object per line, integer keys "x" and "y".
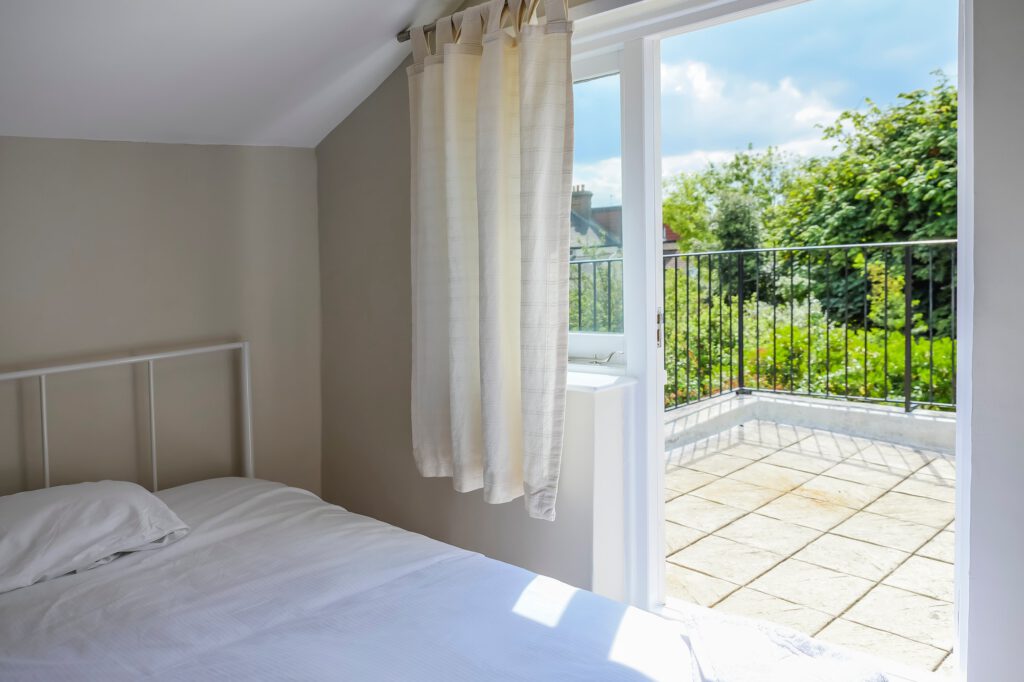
{"x": 48, "y": 533}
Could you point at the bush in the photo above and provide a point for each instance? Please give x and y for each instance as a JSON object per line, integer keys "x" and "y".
{"x": 789, "y": 346}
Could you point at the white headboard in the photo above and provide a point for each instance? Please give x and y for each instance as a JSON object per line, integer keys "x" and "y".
{"x": 150, "y": 358}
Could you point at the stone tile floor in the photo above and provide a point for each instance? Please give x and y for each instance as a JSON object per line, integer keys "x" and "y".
{"x": 846, "y": 539}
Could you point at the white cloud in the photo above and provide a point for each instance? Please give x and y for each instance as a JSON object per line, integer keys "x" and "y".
{"x": 815, "y": 114}
{"x": 680, "y": 163}
{"x": 810, "y": 146}
{"x": 604, "y": 177}
{"x": 723, "y": 110}
{"x": 691, "y": 78}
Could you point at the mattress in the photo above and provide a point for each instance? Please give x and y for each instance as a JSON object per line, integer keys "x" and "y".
{"x": 272, "y": 583}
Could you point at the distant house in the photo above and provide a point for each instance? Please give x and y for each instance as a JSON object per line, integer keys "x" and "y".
{"x": 669, "y": 239}
{"x": 597, "y": 232}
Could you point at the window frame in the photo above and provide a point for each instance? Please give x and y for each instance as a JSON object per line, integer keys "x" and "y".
{"x": 637, "y": 61}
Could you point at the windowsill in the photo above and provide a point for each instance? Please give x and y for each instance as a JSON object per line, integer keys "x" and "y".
{"x": 593, "y": 382}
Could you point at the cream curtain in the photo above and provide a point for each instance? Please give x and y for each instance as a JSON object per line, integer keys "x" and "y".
{"x": 491, "y": 124}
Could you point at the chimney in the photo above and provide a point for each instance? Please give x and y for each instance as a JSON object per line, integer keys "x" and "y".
{"x": 581, "y": 199}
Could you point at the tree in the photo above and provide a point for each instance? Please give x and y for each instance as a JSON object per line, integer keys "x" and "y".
{"x": 765, "y": 177}
{"x": 685, "y": 209}
{"x": 737, "y": 221}
{"x": 893, "y": 177}
{"x": 690, "y": 198}
{"x": 737, "y": 225}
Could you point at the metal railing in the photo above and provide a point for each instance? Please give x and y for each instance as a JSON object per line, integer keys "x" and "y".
{"x": 595, "y": 295}
{"x": 867, "y": 322}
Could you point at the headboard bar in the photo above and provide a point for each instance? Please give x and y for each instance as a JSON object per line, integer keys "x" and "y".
{"x": 248, "y": 468}
{"x": 46, "y": 437}
{"x": 152, "y": 422}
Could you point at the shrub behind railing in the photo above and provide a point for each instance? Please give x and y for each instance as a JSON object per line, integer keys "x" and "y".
{"x": 830, "y": 321}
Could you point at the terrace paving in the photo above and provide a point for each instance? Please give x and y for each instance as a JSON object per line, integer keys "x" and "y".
{"x": 847, "y": 539}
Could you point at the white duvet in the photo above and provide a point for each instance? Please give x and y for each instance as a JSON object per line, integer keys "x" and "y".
{"x": 274, "y": 584}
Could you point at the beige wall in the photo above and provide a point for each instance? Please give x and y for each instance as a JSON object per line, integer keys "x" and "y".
{"x": 363, "y": 173}
{"x": 109, "y": 247}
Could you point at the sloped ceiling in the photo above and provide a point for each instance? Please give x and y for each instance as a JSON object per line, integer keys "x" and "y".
{"x": 242, "y": 72}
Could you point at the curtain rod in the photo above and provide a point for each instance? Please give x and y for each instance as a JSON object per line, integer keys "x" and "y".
{"x": 577, "y": 10}
{"x": 405, "y": 36}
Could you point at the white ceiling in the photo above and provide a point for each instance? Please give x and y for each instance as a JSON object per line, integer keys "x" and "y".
{"x": 247, "y": 72}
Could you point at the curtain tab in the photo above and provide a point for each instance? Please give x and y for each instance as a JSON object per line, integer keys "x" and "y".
{"x": 495, "y": 13}
{"x": 420, "y": 49}
{"x": 517, "y": 14}
{"x": 556, "y": 11}
{"x": 471, "y": 26}
{"x": 457, "y": 24}
{"x": 443, "y": 34}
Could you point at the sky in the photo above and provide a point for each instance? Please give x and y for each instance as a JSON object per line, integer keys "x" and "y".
{"x": 770, "y": 79}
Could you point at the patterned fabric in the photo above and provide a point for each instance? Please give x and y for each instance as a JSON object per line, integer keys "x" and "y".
{"x": 491, "y": 124}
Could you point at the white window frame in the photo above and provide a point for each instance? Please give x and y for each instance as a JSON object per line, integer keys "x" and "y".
{"x": 632, "y": 31}
{"x": 637, "y": 63}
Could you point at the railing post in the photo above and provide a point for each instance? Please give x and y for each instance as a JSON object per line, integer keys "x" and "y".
{"x": 739, "y": 323}
{"x": 908, "y": 321}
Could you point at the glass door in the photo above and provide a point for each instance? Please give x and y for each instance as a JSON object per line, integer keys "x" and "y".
{"x": 615, "y": 289}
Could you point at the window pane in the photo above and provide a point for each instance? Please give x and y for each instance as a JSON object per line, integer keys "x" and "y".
{"x": 595, "y": 269}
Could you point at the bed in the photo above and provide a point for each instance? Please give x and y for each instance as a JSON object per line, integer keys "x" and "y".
{"x": 272, "y": 583}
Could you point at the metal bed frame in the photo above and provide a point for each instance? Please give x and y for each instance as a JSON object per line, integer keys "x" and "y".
{"x": 149, "y": 359}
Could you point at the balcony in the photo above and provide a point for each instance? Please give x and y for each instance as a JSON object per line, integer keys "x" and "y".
{"x": 809, "y": 420}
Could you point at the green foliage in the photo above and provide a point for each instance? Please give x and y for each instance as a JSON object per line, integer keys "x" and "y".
{"x": 790, "y": 346}
{"x": 892, "y": 177}
{"x": 765, "y": 177}
{"x": 691, "y": 199}
{"x": 737, "y": 221}
{"x": 888, "y": 301}
{"x": 685, "y": 209}
{"x": 819, "y": 322}
{"x": 736, "y": 225}
{"x": 595, "y": 296}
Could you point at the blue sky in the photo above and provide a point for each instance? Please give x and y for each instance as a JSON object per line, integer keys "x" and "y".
{"x": 770, "y": 80}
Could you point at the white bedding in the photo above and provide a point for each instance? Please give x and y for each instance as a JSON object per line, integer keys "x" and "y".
{"x": 272, "y": 583}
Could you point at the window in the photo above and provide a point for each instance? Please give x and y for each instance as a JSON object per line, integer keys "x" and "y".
{"x": 595, "y": 251}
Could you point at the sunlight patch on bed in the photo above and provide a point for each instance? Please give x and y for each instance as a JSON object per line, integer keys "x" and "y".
{"x": 544, "y": 601}
{"x": 642, "y": 643}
